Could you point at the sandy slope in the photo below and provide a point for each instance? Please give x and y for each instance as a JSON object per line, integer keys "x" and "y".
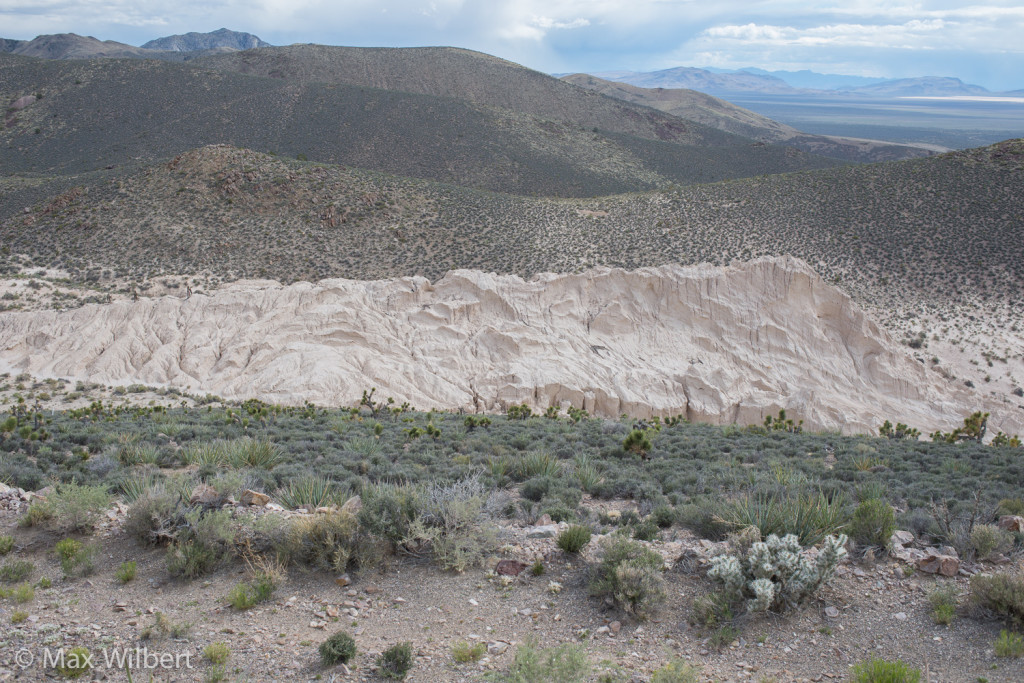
{"x": 716, "y": 344}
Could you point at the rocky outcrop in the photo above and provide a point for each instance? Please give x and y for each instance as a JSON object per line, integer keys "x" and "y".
{"x": 719, "y": 344}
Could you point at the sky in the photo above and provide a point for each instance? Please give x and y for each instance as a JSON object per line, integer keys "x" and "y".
{"x": 978, "y": 43}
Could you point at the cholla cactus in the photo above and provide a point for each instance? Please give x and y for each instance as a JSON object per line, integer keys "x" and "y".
{"x": 777, "y": 573}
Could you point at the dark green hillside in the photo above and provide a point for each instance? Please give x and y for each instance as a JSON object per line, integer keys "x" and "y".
{"x": 100, "y": 113}
{"x": 932, "y": 232}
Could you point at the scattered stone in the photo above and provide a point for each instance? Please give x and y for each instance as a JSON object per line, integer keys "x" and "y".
{"x": 831, "y": 612}
{"x": 497, "y": 647}
{"x": 900, "y": 616}
{"x": 901, "y": 538}
{"x": 936, "y": 563}
{"x": 343, "y": 580}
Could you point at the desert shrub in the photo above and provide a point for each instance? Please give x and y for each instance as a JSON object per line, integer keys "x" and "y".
{"x": 810, "y": 517}
{"x": 337, "y": 649}
{"x": 538, "y": 464}
{"x": 1009, "y": 644}
{"x": 881, "y": 671}
{"x": 395, "y": 661}
{"x": 134, "y": 453}
{"x": 454, "y": 523}
{"x": 126, "y": 572}
{"x": 664, "y": 516}
{"x": 39, "y": 512}
{"x": 943, "y": 602}
{"x": 76, "y": 557}
{"x": 308, "y": 491}
{"x": 18, "y": 616}
{"x": 630, "y": 574}
{"x": 1002, "y": 594}
{"x": 259, "y": 589}
{"x": 637, "y": 442}
{"x": 565, "y": 663}
{"x": 74, "y": 663}
{"x": 23, "y": 593}
{"x": 647, "y": 530}
{"x": 573, "y": 539}
{"x": 776, "y": 574}
{"x": 77, "y": 508}
{"x": 216, "y": 653}
{"x": 675, "y": 671}
{"x": 463, "y": 652}
{"x": 1011, "y": 506}
{"x": 205, "y": 541}
{"x": 155, "y": 517}
{"x": 389, "y": 511}
{"x": 701, "y": 517}
{"x": 324, "y": 541}
{"x": 14, "y": 571}
{"x": 163, "y": 627}
{"x": 6, "y": 544}
{"x": 711, "y": 611}
{"x": 873, "y": 523}
{"x": 536, "y": 488}
{"x": 989, "y": 540}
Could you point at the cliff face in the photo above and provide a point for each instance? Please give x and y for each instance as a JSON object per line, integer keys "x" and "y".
{"x": 721, "y": 345}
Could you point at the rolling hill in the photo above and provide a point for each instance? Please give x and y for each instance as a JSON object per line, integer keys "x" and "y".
{"x": 717, "y": 113}
{"x": 509, "y": 129}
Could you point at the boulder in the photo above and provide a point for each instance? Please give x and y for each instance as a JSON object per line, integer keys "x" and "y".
{"x": 206, "y": 495}
{"x": 510, "y": 567}
{"x": 545, "y": 531}
{"x": 254, "y": 498}
{"x": 901, "y": 538}
{"x": 353, "y": 505}
{"x": 1011, "y": 523}
{"x": 946, "y": 565}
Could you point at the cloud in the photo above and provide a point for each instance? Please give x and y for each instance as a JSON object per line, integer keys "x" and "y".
{"x": 569, "y": 35}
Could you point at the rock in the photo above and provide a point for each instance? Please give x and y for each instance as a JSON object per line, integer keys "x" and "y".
{"x": 497, "y": 647}
{"x": 331, "y": 611}
{"x": 831, "y": 612}
{"x": 900, "y": 616}
{"x": 546, "y": 531}
{"x": 206, "y": 495}
{"x": 274, "y": 507}
{"x": 1011, "y": 523}
{"x": 901, "y": 538}
{"x": 939, "y": 564}
{"x": 948, "y": 551}
{"x": 254, "y": 498}
{"x": 343, "y": 580}
{"x": 615, "y": 627}
{"x": 352, "y": 506}
{"x": 510, "y": 567}
{"x": 544, "y": 520}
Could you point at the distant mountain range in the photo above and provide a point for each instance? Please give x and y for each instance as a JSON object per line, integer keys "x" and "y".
{"x": 172, "y": 48}
{"x": 801, "y": 83}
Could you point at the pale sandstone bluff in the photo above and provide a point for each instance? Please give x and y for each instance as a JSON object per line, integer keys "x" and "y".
{"x": 717, "y": 344}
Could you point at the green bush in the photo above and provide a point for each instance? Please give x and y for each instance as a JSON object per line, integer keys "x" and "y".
{"x": 881, "y": 671}
{"x": 647, "y": 530}
{"x": 989, "y": 540}
{"x": 14, "y": 571}
{"x": 463, "y": 652}
{"x": 675, "y": 671}
{"x": 311, "y": 492}
{"x": 249, "y": 594}
{"x": 873, "y": 523}
{"x": 637, "y": 442}
{"x": 565, "y": 663}
{"x": 126, "y": 572}
{"x": 23, "y": 593}
{"x": 216, "y": 653}
{"x": 78, "y": 508}
{"x": 74, "y": 663}
{"x": 155, "y": 517}
{"x": 630, "y": 574}
{"x": 943, "y": 601}
{"x": 6, "y": 544}
{"x": 337, "y": 649}
{"x": 395, "y": 661}
{"x": 1001, "y": 594}
{"x": 1009, "y": 644}
{"x": 206, "y": 540}
{"x": 76, "y": 557}
{"x": 573, "y": 539}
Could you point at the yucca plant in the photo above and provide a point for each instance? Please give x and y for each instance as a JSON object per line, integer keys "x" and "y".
{"x": 539, "y": 464}
{"x": 136, "y": 486}
{"x": 210, "y": 454}
{"x": 808, "y": 516}
{"x": 311, "y": 491}
{"x": 255, "y": 453}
